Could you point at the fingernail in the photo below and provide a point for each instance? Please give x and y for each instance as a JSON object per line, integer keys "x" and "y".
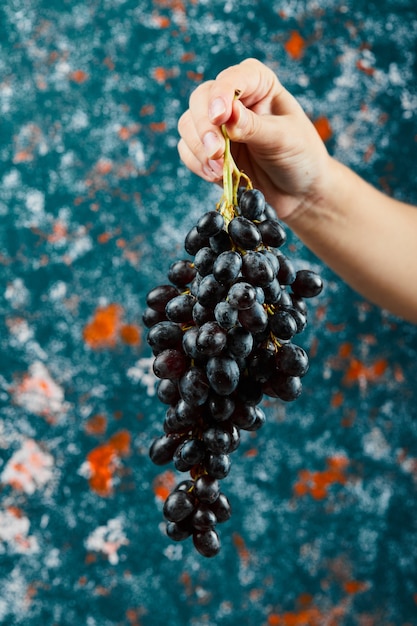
{"x": 211, "y": 143}
{"x": 208, "y": 172}
{"x": 216, "y": 109}
{"x": 216, "y": 166}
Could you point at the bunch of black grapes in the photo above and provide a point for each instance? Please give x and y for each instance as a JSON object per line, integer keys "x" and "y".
{"x": 222, "y": 332}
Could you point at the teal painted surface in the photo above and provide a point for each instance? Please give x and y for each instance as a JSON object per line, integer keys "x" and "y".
{"x": 94, "y": 205}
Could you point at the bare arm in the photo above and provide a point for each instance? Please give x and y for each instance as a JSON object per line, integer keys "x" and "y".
{"x": 369, "y": 239}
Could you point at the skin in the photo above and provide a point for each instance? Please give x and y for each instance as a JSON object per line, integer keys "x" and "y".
{"x": 368, "y": 238}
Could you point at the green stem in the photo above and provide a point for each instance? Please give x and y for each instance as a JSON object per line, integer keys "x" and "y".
{"x": 231, "y": 181}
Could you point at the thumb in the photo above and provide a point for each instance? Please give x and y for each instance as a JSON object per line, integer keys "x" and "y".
{"x": 245, "y": 126}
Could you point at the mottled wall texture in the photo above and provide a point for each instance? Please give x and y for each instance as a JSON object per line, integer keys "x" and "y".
{"x": 94, "y": 206}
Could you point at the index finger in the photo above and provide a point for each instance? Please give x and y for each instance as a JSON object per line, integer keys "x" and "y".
{"x": 257, "y": 86}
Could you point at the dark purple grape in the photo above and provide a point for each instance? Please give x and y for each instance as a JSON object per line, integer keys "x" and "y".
{"x": 218, "y": 465}
{"x": 180, "y": 308}
{"x": 272, "y": 258}
{"x": 226, "y": 316}
{"x": 170, "y": 364}
{"x": 257, "y": 269}
{"x": 187, "y": 413}
{"x": 291, "y": 360}
{"x": 194, "y": 241}
{"x": 204, "y": 518}
{"x": 185, "y": 485}
{"x": 163, "y": 448}
{"x": 288, "y": 388}
{"x": 221, "y": 242}
{"x": 241, "y": 296}
{"x": 270, "y": 212}
{"x": 221, "y": 407}
{"x": 158, "y": 297}
{"x": 217, "y": 440}
{"x": 307, "y": 284}
{"x": 211, "y": 339}
{"x": 204, "y": 261}
{"x": 178, "y": 531}
{"x": 249, "y": 391}
{"x": 195, "y": 285}
{"x": 207, "y": 542}
{"x": 272, "y": 233}
{"x": 273, "y": 292}
{"x": 192, "y": 451}
{"x": 151, "y": 317}
{"x": 210, "y": 224}
{"x": 227, "y": 266}
{"x": 174, "y": 425}
{"x": 189, "y": 342}
{"x": 259, "y": 419}
{"x": 239, "y": 342}
{"x": 206, "y": 489}
{"x": 178, "y": 506}
{"x": 244, "y": 233}
{"x": 164, "y": 335}
{"x": 299, "y": 318}
{"x": 210, "y": 291}
{"x": 252, "y": 204}
{"x": 286, "y": 273}
{"x": 299, "y": 304}
{"x": 243, "y": 416}
{"x": 194, "y": 386}
{"x": 261, "y": 364}
{"x": 179, "y": 463}
{"x": 181, "y": 273}
{"x": 221, "y": 508}
{"x": 223, "y": 374}
{"x": 167, "y": 391}
{"x": 202, "y": 314}
{"x": 283, "y": 325}
{"x": 254, "y": 319}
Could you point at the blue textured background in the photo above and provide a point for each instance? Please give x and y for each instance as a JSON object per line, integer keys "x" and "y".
{"x": 94, "y": 205}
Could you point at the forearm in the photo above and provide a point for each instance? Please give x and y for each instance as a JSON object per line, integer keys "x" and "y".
{"x": 367, "y": 238}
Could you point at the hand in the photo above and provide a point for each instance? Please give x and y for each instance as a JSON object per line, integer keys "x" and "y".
{"x": 273, "y": 141}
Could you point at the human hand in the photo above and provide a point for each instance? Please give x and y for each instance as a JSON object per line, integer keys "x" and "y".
{"x": 273, "y": 141}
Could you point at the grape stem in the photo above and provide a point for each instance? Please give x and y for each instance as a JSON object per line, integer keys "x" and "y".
{"x": 231, "y": 181}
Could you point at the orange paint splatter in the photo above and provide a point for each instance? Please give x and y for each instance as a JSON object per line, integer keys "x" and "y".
{"x": 158, "y": 127}
{"x": 365, "y": 68}
{"x": 104, "y": 460}
{"x": 295, "y": 45}
{"x": 161, "y": 74}
{"x": 59, "y": 232}
{"x": 163, "y": 484}
{"x": 251, "y": 453}
{"x": 187, "y": 56}
{"x": 102, "y": 331}
{"x": 195, "y": 76}
{"x": 322, "y": 126}
{"x": 130, "y": 334}
{"x": 124, "y": 133}
{"x": 162, "y": 21}
{"x": 147, "y": 109}
{"x": 103, "y": 167}
{"x": 345, "y": 350}
{"x": 241, "y": 548}
{"x": 317, "y": 483}
{"x": 337, "y": 399}
{"x": 358, "y": 371}
{"x": 354, "y": 586}
{"x": 96, "y": 425}
{"x": 78, "y": 76}
{"x": 23, "y": 156}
